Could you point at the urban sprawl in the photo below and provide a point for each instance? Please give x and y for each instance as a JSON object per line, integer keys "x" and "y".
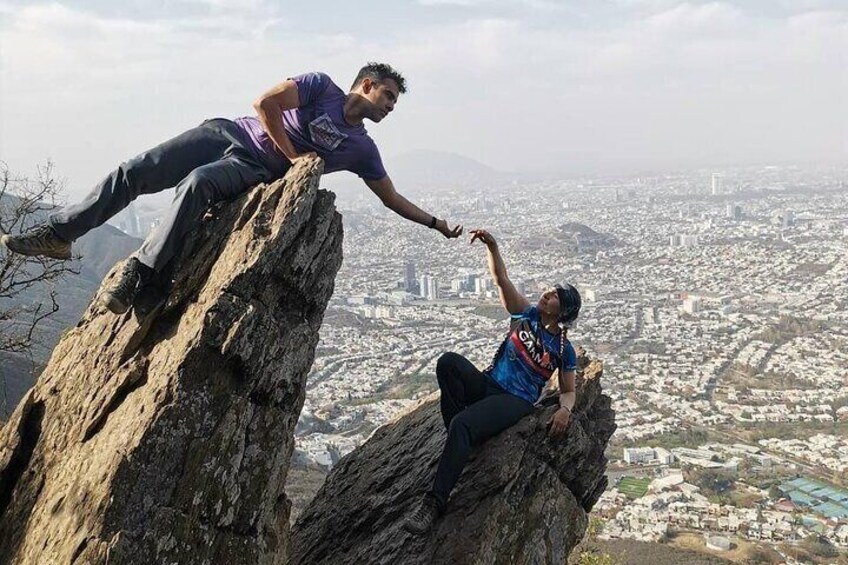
{"x": 717, "y": 300}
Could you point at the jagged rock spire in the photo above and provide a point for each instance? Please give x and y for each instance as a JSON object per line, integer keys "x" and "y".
{"x": 169, "y": 441}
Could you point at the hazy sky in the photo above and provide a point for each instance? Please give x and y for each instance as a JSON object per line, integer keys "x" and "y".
{"x": 571, "y": 86}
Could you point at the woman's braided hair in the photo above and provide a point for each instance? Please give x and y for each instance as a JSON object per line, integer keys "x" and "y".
{"x": 498, "y": 353}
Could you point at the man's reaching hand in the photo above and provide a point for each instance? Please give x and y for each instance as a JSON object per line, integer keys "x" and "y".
{"x": 447, "y": 231}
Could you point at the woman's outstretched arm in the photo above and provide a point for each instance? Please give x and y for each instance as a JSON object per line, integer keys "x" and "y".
{"x": 511, "y": 299}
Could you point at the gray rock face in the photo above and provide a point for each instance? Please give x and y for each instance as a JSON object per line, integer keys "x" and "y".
{"x": 168, "y": 441}
{"x": 523, "y": 497}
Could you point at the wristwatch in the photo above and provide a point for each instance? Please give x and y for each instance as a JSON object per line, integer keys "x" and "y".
{"x": 433, "y": 222}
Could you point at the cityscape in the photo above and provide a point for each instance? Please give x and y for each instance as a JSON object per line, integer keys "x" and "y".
{"x": 683, "y": 164}
{"x": 718, "y": 302}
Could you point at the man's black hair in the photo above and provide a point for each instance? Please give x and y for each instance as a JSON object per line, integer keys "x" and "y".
{"x": 379, "y": 72}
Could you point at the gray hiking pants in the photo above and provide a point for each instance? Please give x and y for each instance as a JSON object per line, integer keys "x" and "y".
{"x": 206, "y": 164}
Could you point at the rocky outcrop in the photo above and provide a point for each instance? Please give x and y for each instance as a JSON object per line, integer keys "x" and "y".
{"x": 523, "y": 498}
{"x": 168, "y": 440}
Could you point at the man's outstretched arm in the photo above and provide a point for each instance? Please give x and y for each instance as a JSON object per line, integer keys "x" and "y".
{"x": 393, "y": 200}
{"x": 270, "y": 107}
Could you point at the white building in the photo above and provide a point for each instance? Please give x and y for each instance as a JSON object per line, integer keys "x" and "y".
{"x": 716, "y": 184}
{"x": 692, "y": 304}
{"x": 663, "y": 455}
{"x": 638, "y": 455}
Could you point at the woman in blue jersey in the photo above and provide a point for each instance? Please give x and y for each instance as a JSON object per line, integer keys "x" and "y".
{"x": 477, "y": 405}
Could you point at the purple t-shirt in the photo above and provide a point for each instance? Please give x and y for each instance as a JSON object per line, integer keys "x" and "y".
{"x": 318, "y": 125}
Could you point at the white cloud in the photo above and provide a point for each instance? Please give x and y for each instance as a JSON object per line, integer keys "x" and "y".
{"x": 464, "y": 3}
{"x": 710, "y": 18}
{"x": 678, "y": 82}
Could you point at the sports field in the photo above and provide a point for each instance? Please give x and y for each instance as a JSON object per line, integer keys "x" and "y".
{"x": 633, "y": 487}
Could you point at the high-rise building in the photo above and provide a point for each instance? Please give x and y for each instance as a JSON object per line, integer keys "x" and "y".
{"x": 716, "y": 184}
{"x": 409, "y": 282}
{"x": 433, "y": 289}
{"x": 734, "y": 211}
{"x": 423, "y": 283}
{"x": 429, "y": 287}
{"x": 129, "y": 222}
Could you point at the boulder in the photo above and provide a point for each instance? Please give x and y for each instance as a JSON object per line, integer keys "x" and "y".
{"x": 523, "y": 497}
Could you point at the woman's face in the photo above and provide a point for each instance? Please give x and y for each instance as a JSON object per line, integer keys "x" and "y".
{"x": 549, "y": 302}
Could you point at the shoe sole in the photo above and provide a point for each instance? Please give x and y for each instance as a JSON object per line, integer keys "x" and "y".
{"x": 113, "y": 304}
{"x": 10, "y": 245}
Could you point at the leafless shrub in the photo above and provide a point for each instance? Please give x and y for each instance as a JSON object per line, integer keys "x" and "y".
{"x": 27, "y": 284}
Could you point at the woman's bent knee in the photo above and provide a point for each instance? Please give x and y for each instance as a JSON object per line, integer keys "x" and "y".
{"x": 446, "y": 363}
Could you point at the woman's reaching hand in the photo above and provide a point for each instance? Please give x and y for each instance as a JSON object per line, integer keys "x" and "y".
{"x": 483, "y": 236}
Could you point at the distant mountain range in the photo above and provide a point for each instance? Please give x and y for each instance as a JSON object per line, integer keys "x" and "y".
{"x": 439, "y": 169}
{"x": 100, "y": 250}
{"x": 414, "y": 171}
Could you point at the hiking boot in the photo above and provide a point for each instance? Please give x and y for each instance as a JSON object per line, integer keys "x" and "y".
{"x": 42, "y": 241}
{"x": 424, "y": 516}
{"x": 119, "y": 297}
{"x": 150, "y": 297}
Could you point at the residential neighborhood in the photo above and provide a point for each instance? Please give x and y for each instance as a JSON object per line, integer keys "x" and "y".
{"x": 720, "y": 314}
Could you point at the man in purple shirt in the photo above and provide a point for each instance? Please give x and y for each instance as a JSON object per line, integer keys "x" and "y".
{"x": 301, "y": 117}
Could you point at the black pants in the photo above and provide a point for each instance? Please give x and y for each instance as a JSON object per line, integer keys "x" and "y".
{"x": 207, "y": 164}
{"x": 474, "y": 409}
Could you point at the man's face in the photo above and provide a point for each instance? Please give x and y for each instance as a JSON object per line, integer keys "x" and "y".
{"x": 549, "y": 302}
{"x": 382, "y": 97}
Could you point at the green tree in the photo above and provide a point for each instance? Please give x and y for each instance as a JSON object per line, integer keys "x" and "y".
{"x": 820, "y": 546}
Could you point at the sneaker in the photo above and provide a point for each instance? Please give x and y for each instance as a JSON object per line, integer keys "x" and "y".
{"x": 41, "y": 241}
{"x": 120, "y": 296}
{"x": 424, "y": 516}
